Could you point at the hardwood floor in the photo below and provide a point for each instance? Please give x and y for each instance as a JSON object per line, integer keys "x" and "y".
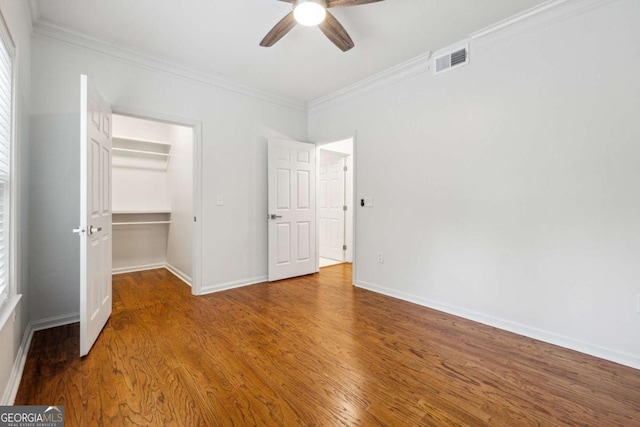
{"x": 312, "y": 351}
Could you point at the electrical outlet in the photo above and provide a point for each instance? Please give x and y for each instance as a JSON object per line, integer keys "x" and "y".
{"x": 380, "y": 258}
{"x": 220, "y": 200}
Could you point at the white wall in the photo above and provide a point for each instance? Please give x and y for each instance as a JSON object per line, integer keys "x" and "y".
{"x": 11, "y": 335}
{"x": 180, "y": 186}
{"x": 506, "y": 190}
{"x": 234, "y": 130}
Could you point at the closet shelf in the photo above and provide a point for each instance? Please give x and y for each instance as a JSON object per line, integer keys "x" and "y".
{"x": 150, "y": 153}
{"x": 140, "y": 211}
{"x": 141, "y": 223}
{"x": 133, "y": 139}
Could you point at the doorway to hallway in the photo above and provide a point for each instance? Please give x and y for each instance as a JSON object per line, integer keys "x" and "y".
{"x": 335, "y": 203}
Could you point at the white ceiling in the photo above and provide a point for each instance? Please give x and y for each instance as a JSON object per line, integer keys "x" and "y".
{"x": 221, "y": 37}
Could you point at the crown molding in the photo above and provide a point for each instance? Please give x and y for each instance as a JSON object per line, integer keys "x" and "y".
{"x": 49, "y": 30}
{"x": 405, "y": 70}
{"x": 543, "y": 14}
{"x": 34, "y": 10}
{"x": 535, "y": 17}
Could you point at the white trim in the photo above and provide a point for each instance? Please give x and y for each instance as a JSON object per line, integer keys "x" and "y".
{"x": 543, "y": 13}
{"x": 7, "y": 308}
{"x": 354, "y": 204}
{"x": 507, "y": 325}
{"x": 53, "y": 322}
{"x": 9, "y": 289}
{"x": 403, "y": 71}
{"x": 47, "y": 29}
{"x": 11, "y": 390}
{"x": 178, "y": 273}
{"x": 232, "y": 285}
{"x": 34, "y": 11}
{"x": 534, "y": 17}
{"x": 133, "y": 269}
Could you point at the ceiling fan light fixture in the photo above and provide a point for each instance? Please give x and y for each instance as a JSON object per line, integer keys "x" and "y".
{"x": 309, "y": 12}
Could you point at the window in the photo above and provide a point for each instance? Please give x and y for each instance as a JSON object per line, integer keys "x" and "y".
{"x": 7, "y": 51}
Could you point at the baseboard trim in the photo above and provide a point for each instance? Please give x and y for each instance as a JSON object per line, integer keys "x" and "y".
{"x": 11, "y": 391}
{"x": 122, "y": 270}
{"x": 52, "y": 322}
{"x": 517, "y": 328}
{"x": 178, "y": 273}
{"x": 232, "y": 285}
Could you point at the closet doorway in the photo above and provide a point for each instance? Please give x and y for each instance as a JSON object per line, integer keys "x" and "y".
{"x": 154, "y": 197}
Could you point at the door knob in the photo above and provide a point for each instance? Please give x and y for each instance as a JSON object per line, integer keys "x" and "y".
{"x": 274, "y": 216}
{"x": 93, "y": 229}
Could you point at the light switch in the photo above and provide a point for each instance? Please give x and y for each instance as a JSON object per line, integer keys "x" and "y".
{"x": 219, "y": 200}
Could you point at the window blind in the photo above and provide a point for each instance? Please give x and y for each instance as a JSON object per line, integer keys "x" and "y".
{"x": 6, "y": 121}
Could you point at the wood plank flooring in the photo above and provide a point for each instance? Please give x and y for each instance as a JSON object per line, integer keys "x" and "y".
{"x": 312, "y": 351}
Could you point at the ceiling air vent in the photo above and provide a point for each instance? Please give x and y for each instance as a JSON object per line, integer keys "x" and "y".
{"x": 451, "y": 60}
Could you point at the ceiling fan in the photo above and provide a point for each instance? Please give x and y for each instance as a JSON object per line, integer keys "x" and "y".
{"x": 314, "y": 13}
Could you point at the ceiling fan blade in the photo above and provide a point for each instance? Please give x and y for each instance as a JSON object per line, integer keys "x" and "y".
{"x": 281, "y": 28}
{"x": 336, "y": 33}
{"x": 347, "y": 3}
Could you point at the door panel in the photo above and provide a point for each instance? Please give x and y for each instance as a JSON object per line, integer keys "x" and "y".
{"x": 292, "y": 203}
{"x": 284, "y": 243}
{"x": 304, "y": 241}
{"x": 95, "y": 215}
{"x": 303, "y": 189}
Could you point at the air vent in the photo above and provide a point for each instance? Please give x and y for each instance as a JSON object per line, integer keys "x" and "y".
{"x": 452, "y": 59}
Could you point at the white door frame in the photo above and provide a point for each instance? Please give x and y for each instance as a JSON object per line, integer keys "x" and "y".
{"x": 196, "y": 125}
{"x": 354, "y": 196}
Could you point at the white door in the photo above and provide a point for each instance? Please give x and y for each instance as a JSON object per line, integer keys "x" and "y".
{"x": 332, "y": 205}
{"x": 292, "y": 209}
{"x": 95, "y": 214}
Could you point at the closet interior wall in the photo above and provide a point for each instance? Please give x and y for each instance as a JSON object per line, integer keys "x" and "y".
{"x": 152, "y": 196}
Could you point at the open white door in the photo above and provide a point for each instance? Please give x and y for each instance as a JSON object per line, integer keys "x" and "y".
{"x": 332, "y": 209}
{"x": 292, "y": 209}
{"x": 95, "y": 214}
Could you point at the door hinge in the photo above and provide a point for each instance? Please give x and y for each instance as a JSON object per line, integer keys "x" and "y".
{"x": 344, "y": 247}
{"x": 194, "y": 219}
{"x": 344, "y": 208}
{"x": 344, "y": 168}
